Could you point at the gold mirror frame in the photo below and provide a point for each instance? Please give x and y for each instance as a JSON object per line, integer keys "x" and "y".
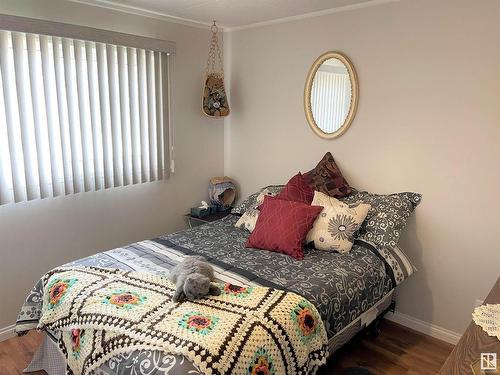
{"x": 354, "y": 96}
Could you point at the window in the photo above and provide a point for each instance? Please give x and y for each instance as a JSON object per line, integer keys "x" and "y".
{"x": 78, "y": 116}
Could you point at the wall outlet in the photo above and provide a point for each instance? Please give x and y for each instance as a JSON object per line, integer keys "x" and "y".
{"x": 478, "y": 303}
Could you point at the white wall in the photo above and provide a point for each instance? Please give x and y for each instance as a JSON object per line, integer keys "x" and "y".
{"x": 36, "y": 236}
{"x": 428, "y": 121}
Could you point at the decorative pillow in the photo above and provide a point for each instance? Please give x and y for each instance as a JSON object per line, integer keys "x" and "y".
{"x": 282, "y": 226}
{"x": 297, "y": 190}
{"x": 251, "y": 201}
{"x": 335, "y": 226}
{"x": 397, "y": 262}
{"x": 387, "y": 217}
{"x": 249, "y": 218}
{"x": 327, "y": 178}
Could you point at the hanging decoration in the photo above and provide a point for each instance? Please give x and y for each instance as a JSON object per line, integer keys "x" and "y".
{"x": 215, "y": 102}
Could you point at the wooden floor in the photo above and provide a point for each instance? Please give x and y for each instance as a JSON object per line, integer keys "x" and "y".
{"x": 396, "y": 351}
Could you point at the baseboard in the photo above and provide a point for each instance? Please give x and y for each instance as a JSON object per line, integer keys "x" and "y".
{"x": 7, "y": 332}
{"x": 424, "y": 327}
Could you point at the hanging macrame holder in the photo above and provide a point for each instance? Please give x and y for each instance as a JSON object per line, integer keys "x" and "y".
{"x": 214, "y": 102}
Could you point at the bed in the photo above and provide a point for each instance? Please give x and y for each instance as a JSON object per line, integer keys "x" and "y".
{"x": 349, "y": 291}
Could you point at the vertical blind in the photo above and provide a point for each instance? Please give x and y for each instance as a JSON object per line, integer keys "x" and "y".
{"x": 331, "y": 94}
{"x": 78, "y": 116}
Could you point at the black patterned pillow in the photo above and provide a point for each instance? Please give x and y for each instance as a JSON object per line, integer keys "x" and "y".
{"x": 251, "y": 201}
{"x": 387, "y": 217}
{"x": 397, "y": 262}
{"x": 249, "y": 218}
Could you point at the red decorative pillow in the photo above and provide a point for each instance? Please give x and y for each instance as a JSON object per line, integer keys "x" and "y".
{"x": 282, "y": 226}
{"x": 327, "y": 178}
{"x": 298, "y": 190}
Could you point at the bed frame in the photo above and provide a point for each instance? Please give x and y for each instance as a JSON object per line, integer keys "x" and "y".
{"x": 370, "y": 320}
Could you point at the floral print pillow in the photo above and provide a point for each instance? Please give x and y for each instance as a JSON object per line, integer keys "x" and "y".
{"x": 336, "y": 225}
{"x": 387, "y": 217}
{"x": 251, "y": 201}
{"x": 249, "y": 218}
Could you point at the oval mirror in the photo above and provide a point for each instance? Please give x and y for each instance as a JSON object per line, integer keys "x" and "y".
{"x": 331, "y": 95}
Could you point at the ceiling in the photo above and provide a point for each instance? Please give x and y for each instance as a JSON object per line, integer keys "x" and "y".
{"x": 230, "y": 13}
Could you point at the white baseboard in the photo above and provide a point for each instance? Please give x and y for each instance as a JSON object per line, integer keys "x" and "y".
{"x": 7, "y": 332}
{"x": 424, "y": 327}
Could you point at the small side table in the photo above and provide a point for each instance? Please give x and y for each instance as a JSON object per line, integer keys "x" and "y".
{"x": 196, "y": 221}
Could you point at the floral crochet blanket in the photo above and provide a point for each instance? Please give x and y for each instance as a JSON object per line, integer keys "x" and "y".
{"x": 245, "y": 330}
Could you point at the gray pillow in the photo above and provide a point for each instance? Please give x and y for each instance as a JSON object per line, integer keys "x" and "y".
{"x": 251, "y": 201}
{"x": 387, "y": 217}
{"x": 399, "y": 262}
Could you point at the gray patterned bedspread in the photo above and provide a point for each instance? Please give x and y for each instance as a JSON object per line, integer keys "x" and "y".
{"x": 341, "y": 286}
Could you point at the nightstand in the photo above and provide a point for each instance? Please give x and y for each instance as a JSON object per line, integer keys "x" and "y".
{"x": 196, "y": 221}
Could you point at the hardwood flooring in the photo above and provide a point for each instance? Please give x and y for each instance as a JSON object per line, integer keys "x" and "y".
{"x": 16, "y": 353}
{"x": 396, "y": 351}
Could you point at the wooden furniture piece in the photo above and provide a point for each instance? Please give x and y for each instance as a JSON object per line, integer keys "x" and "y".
{"x": 473, "y": 342}
{"x": 193, "y": 221}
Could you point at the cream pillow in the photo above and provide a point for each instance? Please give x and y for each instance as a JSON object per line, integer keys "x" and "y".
{"x": 249, "y": 218}
{"x": 335, "y": 226}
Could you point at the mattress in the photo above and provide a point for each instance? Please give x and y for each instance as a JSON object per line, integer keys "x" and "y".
{"x": 343, "y": 287}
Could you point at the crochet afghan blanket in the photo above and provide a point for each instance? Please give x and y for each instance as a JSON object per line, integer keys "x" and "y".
{"x": 245, "y": 330}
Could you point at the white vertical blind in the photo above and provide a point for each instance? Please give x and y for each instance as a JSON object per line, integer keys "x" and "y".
{"x": 135, "y": 135}
{"x": 12, "y": 155}
{"x": 143, "y": 114}
{"x": 79, "y": 116}
{"x": 52, "y": 113}
{"x": 24, "y": 104}
{"x": 62, "y": 107}
{"x": 102, "y": 74}
{"x": 150, "y": 74}
{"x": 95, "y": 113}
